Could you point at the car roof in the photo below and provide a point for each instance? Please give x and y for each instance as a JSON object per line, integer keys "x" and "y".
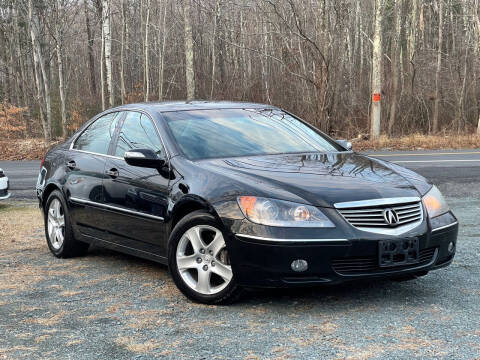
{"x": 167, "y": 106}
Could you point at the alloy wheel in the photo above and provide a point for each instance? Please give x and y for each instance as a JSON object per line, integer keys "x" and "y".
{"x": 56, "y": 224}
{"x": 202, "y": 260}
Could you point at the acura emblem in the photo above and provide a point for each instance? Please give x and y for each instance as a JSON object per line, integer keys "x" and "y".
{"x": 390, "y": 216}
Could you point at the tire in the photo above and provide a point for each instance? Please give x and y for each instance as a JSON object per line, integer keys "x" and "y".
{"x": 58, "y": 228}
{"x": 199, "y": 262}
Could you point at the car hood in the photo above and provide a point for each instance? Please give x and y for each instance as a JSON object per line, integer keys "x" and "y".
{"x": 321, "y": 179}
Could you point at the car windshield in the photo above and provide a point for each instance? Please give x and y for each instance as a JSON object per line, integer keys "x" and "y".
{"x": 206, "y": 134}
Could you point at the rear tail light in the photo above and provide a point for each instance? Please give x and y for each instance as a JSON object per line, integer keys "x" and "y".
{"x": 43, "y": 161}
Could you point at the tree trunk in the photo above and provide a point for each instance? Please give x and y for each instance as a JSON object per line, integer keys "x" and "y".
{"x": 91, "y": 59}
{"x": 395, "y": 65}
{"x": 108, "y": 49}
{"x": 477, "y": 53}
{"x": 439, "y": 67}
{"x": 161, "y": 58}
{"x": 122, "y": 51}
{"x": 43, "y": 90}
{"x": 61, "y": 86}
{"x": 189, "y": 66}
{"x": 102, "y": 70}
{"x": 376, "y": 85}
{"x": 215, "y": 21}
{"x": 147, "y": 48}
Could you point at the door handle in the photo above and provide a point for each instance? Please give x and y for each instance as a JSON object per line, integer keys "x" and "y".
{"x": 71, "y": 165}
{"x": 113, "y": 173}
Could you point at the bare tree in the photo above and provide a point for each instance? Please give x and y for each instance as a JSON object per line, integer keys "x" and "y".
{"x": 476, "y": 18}
{"x": 90, "y": 43}
{"x": 395, "y": 57}
{"x": 108, "y": 48}
{"x": 41, "y": 78}
{"x": 375, "y": 115}
{"x": 189, "y": 66}
{"x": 146, "y": 53}
{"x": 439, "y": 67}
{"x": 162, "y": 34}
{"x": 321, "y": 59}
{"x": 122, "y": 50}
{"x": 59, "y": 51}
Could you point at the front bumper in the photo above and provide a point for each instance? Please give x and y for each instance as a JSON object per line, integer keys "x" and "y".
{"x": 267, "y": 263}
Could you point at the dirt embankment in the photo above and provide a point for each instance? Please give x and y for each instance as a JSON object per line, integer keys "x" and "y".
{"x": 24, "y": 149}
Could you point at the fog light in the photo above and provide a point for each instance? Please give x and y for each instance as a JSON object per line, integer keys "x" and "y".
{"x": 451, "y": 248}
{"x": 299, "y": 265}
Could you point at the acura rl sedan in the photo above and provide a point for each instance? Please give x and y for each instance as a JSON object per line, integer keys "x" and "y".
{"x": 233, "y": 195}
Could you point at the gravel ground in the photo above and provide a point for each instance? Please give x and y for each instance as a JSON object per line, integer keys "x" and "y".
{"x": 109, "y": 305}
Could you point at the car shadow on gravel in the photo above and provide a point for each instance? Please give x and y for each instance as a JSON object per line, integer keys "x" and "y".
{"x": 361, "y": 292}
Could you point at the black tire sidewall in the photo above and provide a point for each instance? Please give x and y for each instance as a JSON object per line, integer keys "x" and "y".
{"x": 68, "y": 237}
{"x": 193, "y": 219}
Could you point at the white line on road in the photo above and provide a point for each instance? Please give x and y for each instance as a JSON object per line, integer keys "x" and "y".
{"x": 427, "y": 154}
{"x": 430, "y": 161}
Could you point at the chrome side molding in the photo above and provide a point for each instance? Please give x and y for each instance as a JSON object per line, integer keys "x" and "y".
{"x": 116, "y": 208}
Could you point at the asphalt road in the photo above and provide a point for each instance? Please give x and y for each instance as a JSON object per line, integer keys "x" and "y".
{"x": 109, "y": 305}
{"x": 441, "y": 166}
{"x": 23, "y": 177}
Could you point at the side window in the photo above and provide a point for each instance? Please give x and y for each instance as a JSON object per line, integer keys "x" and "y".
{"x": 138, "y": 132}
{"x": 96, "y": 138}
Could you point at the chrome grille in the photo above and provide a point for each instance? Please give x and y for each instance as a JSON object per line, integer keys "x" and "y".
{"x": 370, "y": 215}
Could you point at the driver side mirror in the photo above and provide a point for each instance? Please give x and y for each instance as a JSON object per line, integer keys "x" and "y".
{"x": 144, "y": 158}
{"x": 346, "y": 144}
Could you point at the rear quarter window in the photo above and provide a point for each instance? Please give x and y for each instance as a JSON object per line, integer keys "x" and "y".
{"x": 96, "y": 138}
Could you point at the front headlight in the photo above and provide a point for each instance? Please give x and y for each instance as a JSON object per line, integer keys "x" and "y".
{"x": 435, "y": 203}
{"x": 272, "y": 212}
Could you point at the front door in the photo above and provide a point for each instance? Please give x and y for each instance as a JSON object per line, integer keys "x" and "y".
{"x": 137, "y": 197}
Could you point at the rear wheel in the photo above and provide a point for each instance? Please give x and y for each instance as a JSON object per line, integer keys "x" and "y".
{"x": 199, "y": 260}
{"x": 58, "y": 228}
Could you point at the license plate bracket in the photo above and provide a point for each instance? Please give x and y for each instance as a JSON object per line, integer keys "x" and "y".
{"x": 398, "y": 252}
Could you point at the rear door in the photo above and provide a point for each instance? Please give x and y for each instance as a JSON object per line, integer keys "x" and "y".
{"x": 85, "y": 169}
{"x": 137, "y": 197}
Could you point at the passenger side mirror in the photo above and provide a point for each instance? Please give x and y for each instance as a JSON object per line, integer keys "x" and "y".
{"x": 346, "y": 144}
{"x": 143, "y": 158}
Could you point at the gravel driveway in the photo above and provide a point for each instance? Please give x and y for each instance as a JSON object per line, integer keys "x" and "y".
{"x": 109, "y": 305}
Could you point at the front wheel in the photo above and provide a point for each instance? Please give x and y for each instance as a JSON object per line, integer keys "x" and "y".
{"x": 199, "y": 261}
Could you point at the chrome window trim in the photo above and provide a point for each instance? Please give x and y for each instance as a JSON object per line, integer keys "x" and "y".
{"x": 94, "y": 153}
{"x": 289, "y": 240}
{"x": 445, "y": 226}
{"x": 110, "y": 207}
{"x": 167, "y": 154}
{"x": 376, "y": 202}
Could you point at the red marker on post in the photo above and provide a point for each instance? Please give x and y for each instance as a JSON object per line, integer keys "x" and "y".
{"x": 376, "y": 97}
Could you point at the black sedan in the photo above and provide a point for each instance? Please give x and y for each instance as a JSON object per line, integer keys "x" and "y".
{"x": 234, "y": 195}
